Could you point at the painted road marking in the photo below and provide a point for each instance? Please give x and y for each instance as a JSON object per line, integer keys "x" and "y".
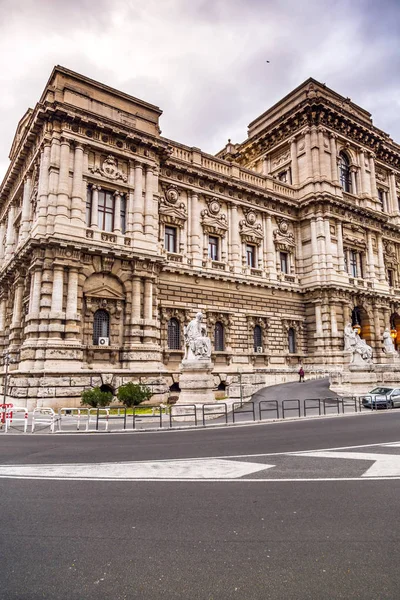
{"x": 216, "y": 469}
{"x": 385, "y": 465}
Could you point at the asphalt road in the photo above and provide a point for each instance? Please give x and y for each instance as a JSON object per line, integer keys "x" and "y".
{"x": 295, "y": 527}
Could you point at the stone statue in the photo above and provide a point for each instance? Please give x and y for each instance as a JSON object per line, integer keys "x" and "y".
{"x": 197, "y": 343}
{"x": 362, "y": 352}
{"x": 388, "y": 345}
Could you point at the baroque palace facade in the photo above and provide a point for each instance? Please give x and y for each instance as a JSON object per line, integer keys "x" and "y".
{"x": 112, "y": 237}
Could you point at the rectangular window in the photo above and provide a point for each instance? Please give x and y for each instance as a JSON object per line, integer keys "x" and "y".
{"x": 381, "y": 198}
{"x": 123, "y": 214}
{"x": 284, "y": 262}
{"x": 213, "y": 247}
{"x": 353, "y": 263}
{"x": 170, "y": 239}
{"x": 105, "y": 220}
{"x": 390, "y": 277}
{"x": 250, "y": 256}
{"x": 88, "y": 208}
{"x": 283, "y": 176}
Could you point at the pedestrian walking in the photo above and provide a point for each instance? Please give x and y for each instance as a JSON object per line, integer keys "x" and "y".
{"x": 301, "y": 375}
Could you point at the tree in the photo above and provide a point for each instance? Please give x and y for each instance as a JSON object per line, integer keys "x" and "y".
{"x": 132, "y": 394}
{"x": 95, "y": 397}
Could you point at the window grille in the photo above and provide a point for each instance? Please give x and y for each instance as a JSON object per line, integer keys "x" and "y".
{"x": 292, "y": 340}
{"x": 219, "y": 342}
{"x": 174, "y": 337}
{"x": 101, "y": 325}
{"x": 257, "y": 337}
{"x": 344, "y": 172}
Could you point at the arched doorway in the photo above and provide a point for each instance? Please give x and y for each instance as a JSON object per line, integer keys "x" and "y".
{"x": 359, "y": 316}
{"x": 106, "y": 388}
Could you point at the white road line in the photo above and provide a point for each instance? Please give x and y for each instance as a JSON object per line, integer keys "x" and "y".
{"x": 385, "y": 465}
{"x": 150, "y": 470}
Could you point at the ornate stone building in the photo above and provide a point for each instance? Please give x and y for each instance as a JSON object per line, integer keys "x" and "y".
{"x": 112, "y": 237}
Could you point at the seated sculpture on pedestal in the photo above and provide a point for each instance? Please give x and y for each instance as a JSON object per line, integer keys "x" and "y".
{"x": 388, "y": 344}
{"x": 355, "y": 344}
{"x": 197, "y": 343}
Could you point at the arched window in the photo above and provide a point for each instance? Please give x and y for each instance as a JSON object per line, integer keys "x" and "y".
{"x": 101, "y": 326}
{"x": 344, "y": 172}
{"x": 257, "y": 337}
{"x": 219, "y": 341}
{"x": 292, "y": 341}
{"x": 174, "y": 336}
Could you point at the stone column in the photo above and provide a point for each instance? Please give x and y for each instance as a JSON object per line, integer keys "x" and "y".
{"x": 307, "y": 142}
{"x": 63, "y": 182}
{"x": 26, "y": 209}
{"x": 129, "y": 199}
{"x": 353, "y": 180}
{"x": 148, "y": 299}
{"x": 293, "y": 159}
{"x": 136, "y": 299}
{"x": 95, "y": 206}
{"x": 54, "y": 171}
{"x": 316, "y": 169}
{"x": 10, "y": 235}
{"x": 2, "y": 315}
{"x": 270, "y": 248}
{"x": 138, "y": 205}
{"x": 17, "y": 308}
{"x": 374, "y": 191}
{"x": 43, "y": 186}
{"x": 196, "y": 231}
{"x": 371, "y": 258}
{"x": 334, "y": 169}
{"x": 2, "y": 235}
{"x": 235, "y": 254}
{"x": 334, "y": 327}
{"x": 321, "y": 242}
{"x": 78, "y": 201}
{"x": 328, "y": 244}
{"x": 36, "y": 291}
{"x": 58, "y": 289}
{"x": 318, "y": 320}
{"x": 321, "y": 146}
{"x": 117, "y": 213}
{"x": 150, "y": 216}
{"x": 381, "y": 260}
{"x": 72, "y": 294}
{"x": 340, "y": 246}
{"x": 346, "y": 313}
{"x": 314, "y": 247}
{"x": 394, "y": 203}
{"x": 365, "y": 188}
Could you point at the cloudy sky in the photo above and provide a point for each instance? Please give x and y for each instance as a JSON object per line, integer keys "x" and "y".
{"x": 203, "y": 61}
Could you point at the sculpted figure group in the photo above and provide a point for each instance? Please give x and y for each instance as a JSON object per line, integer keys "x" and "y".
{"x": 197, "y": 344}
{"x": 355, "y": 344}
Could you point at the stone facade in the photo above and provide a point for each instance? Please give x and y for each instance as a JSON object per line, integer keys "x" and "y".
{"x": 112, "y": 237}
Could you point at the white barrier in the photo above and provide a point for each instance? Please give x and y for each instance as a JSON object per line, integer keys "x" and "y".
{"x": 74, "y": 415}
{"x": 44, "y": 416}
{"x": 18, "y": 413}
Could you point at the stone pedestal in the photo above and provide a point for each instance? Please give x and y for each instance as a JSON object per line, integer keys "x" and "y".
{"x": 196, "y": 382}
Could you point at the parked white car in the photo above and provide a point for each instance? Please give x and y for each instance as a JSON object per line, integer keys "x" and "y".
{"x": 382, "y": 397}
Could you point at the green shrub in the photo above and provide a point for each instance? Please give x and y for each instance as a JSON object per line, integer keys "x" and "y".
{"x": 132, "y": 394}
{"x": 95, "y": 397}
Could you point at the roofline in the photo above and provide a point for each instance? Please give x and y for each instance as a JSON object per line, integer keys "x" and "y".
{"x": 297, "y": 89}
{"x": 99, "y": 85}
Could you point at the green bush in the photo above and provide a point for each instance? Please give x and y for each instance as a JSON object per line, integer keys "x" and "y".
{"x": 95, "y": 397}
{"x": 132, "y": 394}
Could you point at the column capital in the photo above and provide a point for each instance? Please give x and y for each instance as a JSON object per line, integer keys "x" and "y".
{"x": 371, "y": 154}
{"x": 95, "y": 187}
{"x": 333, "y": 136}
{"x": 293, "y": 139}
{"x": 321, "y": 129}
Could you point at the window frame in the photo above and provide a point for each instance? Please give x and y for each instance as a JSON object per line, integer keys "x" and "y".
{"x": 292, "y": 341}
{"x": 170, "y": 233}
{"x": 219, "y": 337}
{"x": 104, "y": 210}
{"x": 345, "y": 173}
{"x": 251, "y": 252}
{"x": 213, "y": 244}
{"x": 257, "y": 337}
{"x": 100, "y": 328}
{"x": 284, "y": 260}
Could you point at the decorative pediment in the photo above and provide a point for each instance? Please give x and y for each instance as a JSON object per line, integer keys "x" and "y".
{"x": 292, "y": 324}
{"x": 212, "y": 221}
{"x": 283, "y": 238}
{"x": 172, "y": 212}
{"x": 110, "y": 170}
{"x": 111, "y": 305}
{"x": 250, "y": 231}
{"x": 104, "y": 291}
